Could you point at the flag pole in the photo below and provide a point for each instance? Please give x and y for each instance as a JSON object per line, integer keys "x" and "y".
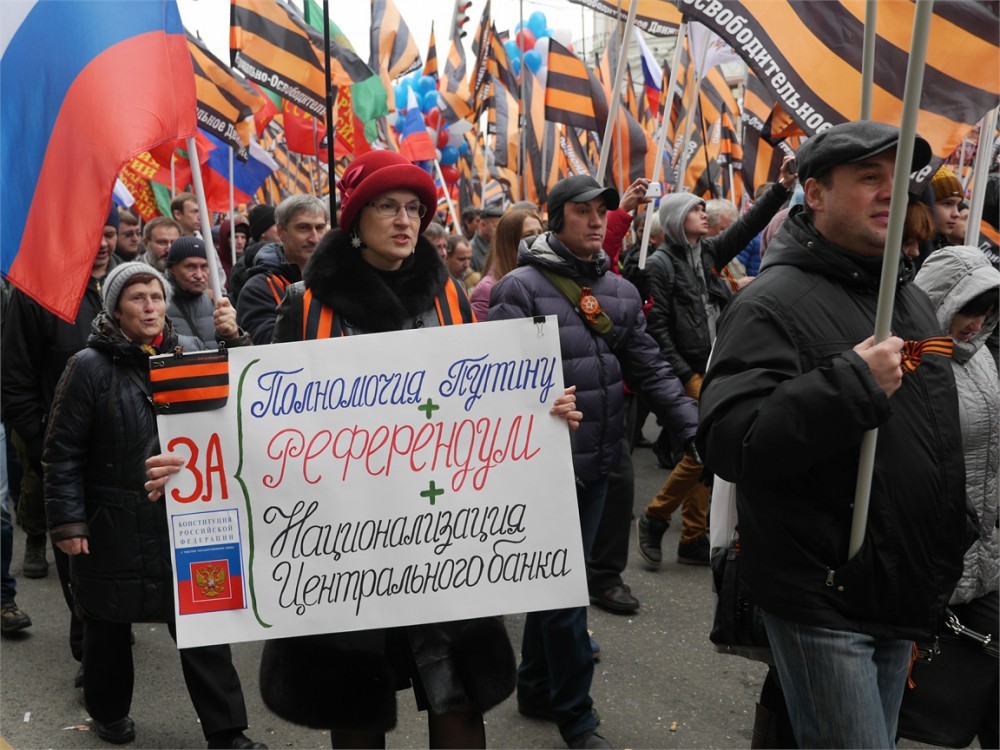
{"x": 893, "y": 243}
{"x": 616, "y": 95}
{"x": 692, "y": 108}
{"x": 232, "y": 210}
{"x": 329, "y": 110}
{"x": 447, "y": 196}
{"x": 868, "y": 59}
{"x": 980, "y": 170}
{"x": 522, "y": 114}
{"x": 206, "y": 229}
{"x": 665, "y": 108}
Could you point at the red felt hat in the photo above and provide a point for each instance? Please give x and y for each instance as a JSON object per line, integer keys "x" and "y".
{"x": 378, "y": 172}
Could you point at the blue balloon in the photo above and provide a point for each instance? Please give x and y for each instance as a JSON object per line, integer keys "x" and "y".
{"x": 543, "y": 34}
{"x": 449, "y": 155}
{"x": 537, "y": 23}
{"x": 533, "y": 60}
{"x": 513, "y": 51}
{"x": 426, "y": 83}
{"x": 463, "y": 148}
{"x": 515, "y": 65}
{"x": 429, "y": 101}
{"x": 401, "y": 96}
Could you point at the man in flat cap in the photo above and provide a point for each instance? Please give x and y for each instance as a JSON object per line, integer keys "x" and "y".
{"x": 603, "y": 340}
{"x": 794, "y": 382}
{"x": 489, "y": 218}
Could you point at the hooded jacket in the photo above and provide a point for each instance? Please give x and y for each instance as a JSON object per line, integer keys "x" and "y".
{"x": 784, "y": 408}
{"x": 349, "y": 680}
{"x": 101, "y": 430}
{"x": 588, "y": 361}
{"x": 684, "y": 282}
{"x": 952, "y": 277}
{"x": 266, "y": 282}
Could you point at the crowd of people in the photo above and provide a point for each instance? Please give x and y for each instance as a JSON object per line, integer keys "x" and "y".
{"x": 746, "y": 333}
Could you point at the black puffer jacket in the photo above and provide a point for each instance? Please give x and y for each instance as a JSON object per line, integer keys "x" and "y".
{"x": 349, "y": 680}
{"x": 101, "y": 430}
{"x": 587, "y": 360}
{"x": 784, "y": 407}
{"x": 678, "y": 320}
{"x": 267, "y": 278}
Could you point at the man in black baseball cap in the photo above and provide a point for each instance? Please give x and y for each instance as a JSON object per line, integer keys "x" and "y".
{"x": 795, "y": 381}
{"x": 602, "y": 335}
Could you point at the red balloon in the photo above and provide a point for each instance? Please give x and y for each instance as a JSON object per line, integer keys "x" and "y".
{"x": 433, "y": 118}
{"x": 450, "y": 173}
{"x": 442, "y": 138}
{"x": 525, "y": 39}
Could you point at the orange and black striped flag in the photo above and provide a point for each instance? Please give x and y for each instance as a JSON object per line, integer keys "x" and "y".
{"x": 568, "y": 98}
{"x": 393, "y": 51}
{"x": 189, "y": 383}
{"x": 761, "y": 160}
{"x": 655, "y": 17}
{"x": 730, "y": 158}
{"x": 503, "y": 126}
{"x": 539, "y": 142}
{"x": 454, "y": 66}
{"x": 271, "y": 44}
{"x": 500, "y": 66}
{"x": 431, "y": 64}
{"x": 226, "y": 102}
{"x": 808, "y": 55}
{"x": 479, "y": 76}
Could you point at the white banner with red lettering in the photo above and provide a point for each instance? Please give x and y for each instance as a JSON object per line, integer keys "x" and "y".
{"x": 375, "y": 481}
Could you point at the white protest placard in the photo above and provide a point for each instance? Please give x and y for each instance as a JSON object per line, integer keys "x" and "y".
{"x": 376, "y": 481}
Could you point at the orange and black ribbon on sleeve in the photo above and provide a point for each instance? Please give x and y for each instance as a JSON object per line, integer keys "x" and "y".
{"x": 914, "y": 350}
{"x": 189, "y": 383}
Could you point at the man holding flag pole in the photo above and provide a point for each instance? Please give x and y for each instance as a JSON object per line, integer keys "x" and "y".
{"x": 850, "y": 560}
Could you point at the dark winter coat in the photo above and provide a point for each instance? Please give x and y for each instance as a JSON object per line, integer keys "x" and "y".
{"x": 267, "y": 278}
{"x": 678, "y": 319}
{"x": 36, "y": 346}
{"x": 191, "y": 313}
{"x": 349, "y": 680}
{"x": 101, "y": 430}
{"x": 784, "y": 407}
{"x": 587, "y": 359}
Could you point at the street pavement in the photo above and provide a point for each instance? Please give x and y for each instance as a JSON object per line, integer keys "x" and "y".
{"x": 659, "y": 682}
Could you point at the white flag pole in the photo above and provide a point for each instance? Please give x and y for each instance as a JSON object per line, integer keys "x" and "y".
{"x": 206, "y": 228}
{"x": 979, "y": 174}
{"x": 616, "y": 95}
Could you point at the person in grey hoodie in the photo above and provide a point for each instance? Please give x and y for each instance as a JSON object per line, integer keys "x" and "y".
{"x": 689, "y": 293}
{"x": 964, "y": 288}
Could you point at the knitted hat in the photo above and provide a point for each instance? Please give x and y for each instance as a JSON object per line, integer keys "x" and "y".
{"x": 113, "y": 219}
{"x": 945, "y": 184}
{"x": 378, "y": 172}
{"x": 119, "y": 277}
{"x": 185, "y": 247}
{"x": 261, "y": 219}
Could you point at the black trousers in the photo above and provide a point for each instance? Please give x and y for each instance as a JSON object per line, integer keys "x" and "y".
{"x": 109, "y": 677}
{"x": 609, "y": 555}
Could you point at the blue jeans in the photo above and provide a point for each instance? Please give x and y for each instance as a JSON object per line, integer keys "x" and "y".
{"x": 8, "y": 586}
{"x": 557, "y": 663}
{"x": 843, "y": 689}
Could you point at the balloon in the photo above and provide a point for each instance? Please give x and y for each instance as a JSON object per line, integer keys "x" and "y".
{"x": 525, "y": 39}
{"x": 401, "y": 94}
{"x": 512, "y": 49}
{"x": 537, "y": 22}
{"x": 562, "y": 35}
{"x": 542, "y": 47}
{"x": 449, "y": 155}
{"x": 442, "y": 138}
{"x": 429, "y": 101}
{"x": 426, "y": 83}
{"x": 450, "y": 173}
{"x": 463, "y": 148}
{"x": 433, "y": 118}
{"x": 533, "y": 60}
{"x": 515, "y": 64}
{"x": 437, "y": 154}
{"x": 544, "y": 33}
{"x": 455, "y": 139}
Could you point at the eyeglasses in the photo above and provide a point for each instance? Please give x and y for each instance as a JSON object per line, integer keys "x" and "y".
{"x": 388, "y": 209}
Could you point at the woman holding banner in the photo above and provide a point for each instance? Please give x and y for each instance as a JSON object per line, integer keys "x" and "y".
{"x": 101, "y": 427}
{"x": 373, "y": 274}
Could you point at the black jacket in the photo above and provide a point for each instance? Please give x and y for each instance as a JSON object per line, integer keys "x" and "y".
{"x": 349, "y": 680}
{"x": 101, "y": 430}
{"x": 678, "y": 320}
{"x": 35, "y": 348}
{"x": 784, "y": 407}
{"x": 266, "y": 281}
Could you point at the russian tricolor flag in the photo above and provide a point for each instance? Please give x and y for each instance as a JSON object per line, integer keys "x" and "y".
{"x": 209, "y": 579}
{"x": 414, "y": 142}
{"x": 652, "y": 75}
{"x": 86, "y": 86}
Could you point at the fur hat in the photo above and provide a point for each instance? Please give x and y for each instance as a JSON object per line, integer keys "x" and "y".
{"x": 945, "y": 184}
{"x": 119, "y": 277}
{"x": 378, "y": 172}
{"x": 185, "y": 247}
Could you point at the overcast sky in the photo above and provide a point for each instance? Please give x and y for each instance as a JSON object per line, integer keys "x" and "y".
{"x": 211, "y": 19}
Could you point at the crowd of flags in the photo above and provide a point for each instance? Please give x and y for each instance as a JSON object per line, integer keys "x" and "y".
{"x": 501, "y": 126}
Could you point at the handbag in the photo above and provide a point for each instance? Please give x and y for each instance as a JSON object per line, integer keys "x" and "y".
{"x": 953, "y": 682}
